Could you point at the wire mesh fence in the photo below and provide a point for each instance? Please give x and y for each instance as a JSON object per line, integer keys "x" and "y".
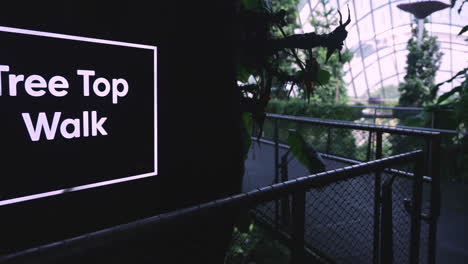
{"x": 339, "y": 220}
{"x": 354, "y": 143}
{"x": 340, "y": 217}
{"x": 359, "y": 144}
{"x": 258, "y": 237}
{"x": 334, "y": 227}
{"x": 281, "y": 226}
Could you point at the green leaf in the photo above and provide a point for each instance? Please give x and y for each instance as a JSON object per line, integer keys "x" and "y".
{"x": 244, "y": 222}
{"x": 247, "y": 122}
{"x": 251, "y": 4}
{"x": 436, "y": 88}
{"x": 446, "y": 95}
{"x": 323, "y": 77}
{"x": 305, "y": 153}
{"x": 463, "y": 30}
{"x": 461, "y": 6}
{"x": 300, "y": 75}
{"x": 242, "y": 74}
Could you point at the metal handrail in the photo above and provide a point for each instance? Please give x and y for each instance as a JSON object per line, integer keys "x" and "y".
{"x": 75, "y": 246}
{"x": 352, "y": 125}
{"x": 428, "y": 129}
{"x": 432, "y": 164}
{"x": 401, "y": 173}
{"x": 382, "y": 107}
{"x": 408, "y": 108}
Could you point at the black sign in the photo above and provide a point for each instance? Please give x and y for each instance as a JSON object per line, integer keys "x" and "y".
{"x": 75, "y": 113}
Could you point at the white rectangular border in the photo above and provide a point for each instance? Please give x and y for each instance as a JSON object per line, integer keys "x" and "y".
{"x": 103, "y": 183}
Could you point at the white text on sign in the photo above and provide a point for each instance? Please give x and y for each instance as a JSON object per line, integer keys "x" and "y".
{"x": 36, "y": 86}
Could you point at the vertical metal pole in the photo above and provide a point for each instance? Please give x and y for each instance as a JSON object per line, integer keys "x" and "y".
{"x": 377, "y": 200}
{"x": 276, "y": 139}
{"x": 298, "y": 228}
{"x": 434, "y": 173}
{"x": 285, "y": 210}
{"x": 420, "y": 31}
{"x": 386, "y": 245}
{"x": 369, "y": 146}
{"x": 378, "y": 146}
{"x": 416, "y": 203}
{"x": 427, "y": 157}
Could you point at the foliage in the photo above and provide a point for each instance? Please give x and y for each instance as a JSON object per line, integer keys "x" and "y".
{"x": 305, "y": 153}
{"x": 334, "y": 90}
{"x": 463, "y": 30}
{"x": 298, "y": 107}
{"x": 457, "y": 99}
{"x": 256, "y": 245}
{"x": 290, "y": 6}
{"x": 267, "y": 46}
{"x": 454, "y": 148}
{"x": 390, "y": 91}
{"x": 262, "y": 55}
{"x": 311, "y": 134}
{"x": 413, "y": 92}
{"x": 285, "y": 61}
{"x": 423, "y": 61}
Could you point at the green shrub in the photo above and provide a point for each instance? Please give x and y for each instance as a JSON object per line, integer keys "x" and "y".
{"x": 342, "y": 141}
{"x": 300, "y": 107}
{"x": 256, "y": 245}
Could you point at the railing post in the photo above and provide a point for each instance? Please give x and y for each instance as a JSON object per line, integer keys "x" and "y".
{"x": 276, "y": 152}
{"x": 369, "y": 146}
{"x": 298, "y": 228}
{"x": 378, "y": 146}
{"x": 416, "y": 203}
{"x": 276, "y": 180}
{"x": 386, "y": 245}
{"x": 377, "y": 201}
{"x": 285, "y": 210}
{"x": 434, "y": 173}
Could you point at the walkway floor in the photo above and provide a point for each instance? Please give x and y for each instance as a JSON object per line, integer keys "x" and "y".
{"x": 453, "y": 224}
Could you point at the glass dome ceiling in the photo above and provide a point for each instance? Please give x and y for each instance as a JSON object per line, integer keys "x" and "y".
{"x": 378, "y": 35}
